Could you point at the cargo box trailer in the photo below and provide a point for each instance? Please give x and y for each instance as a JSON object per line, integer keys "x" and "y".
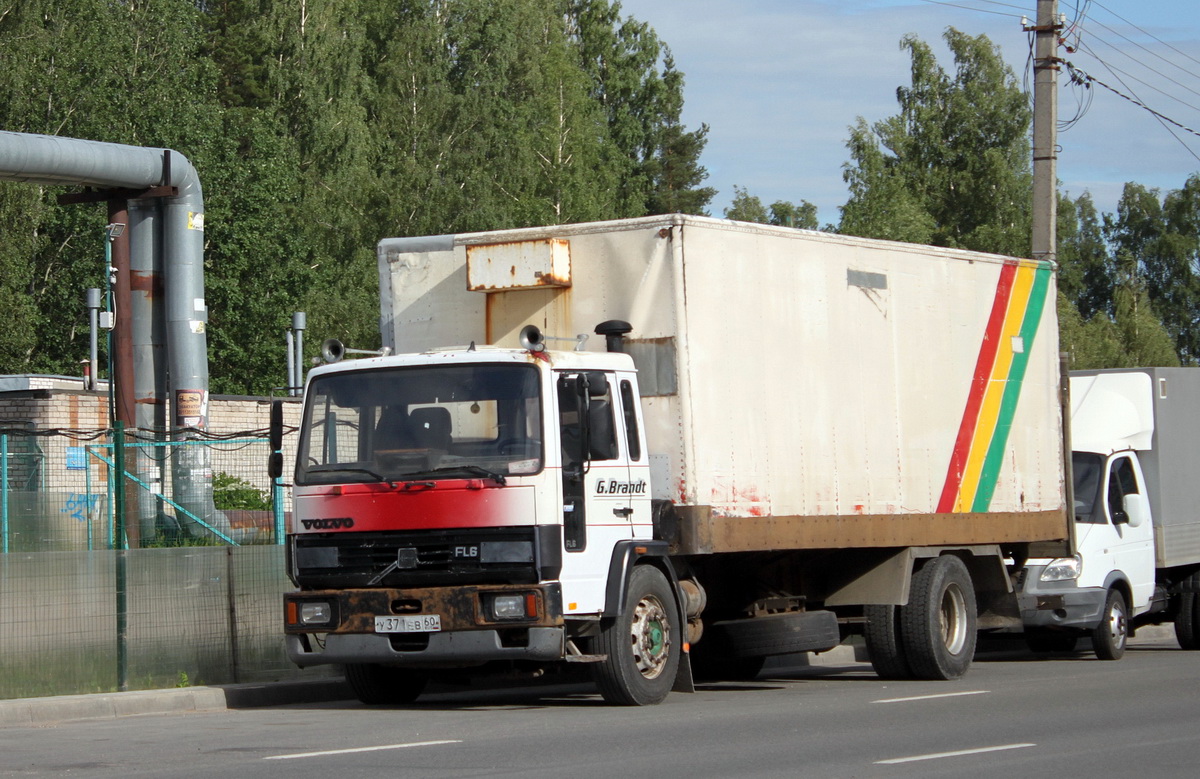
{"x": 782, "y": 437}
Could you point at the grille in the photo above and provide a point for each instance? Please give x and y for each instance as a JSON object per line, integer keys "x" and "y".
{"x": 409, "y": 559}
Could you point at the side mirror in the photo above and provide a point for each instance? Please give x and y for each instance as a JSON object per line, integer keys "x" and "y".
{"x": 276, "y": 431}
{"x": 275, "y": 460}
{"x": 1137, "y": 509}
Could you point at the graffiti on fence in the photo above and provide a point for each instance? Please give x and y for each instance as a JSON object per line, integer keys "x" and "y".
{"x": 81, "y": 505}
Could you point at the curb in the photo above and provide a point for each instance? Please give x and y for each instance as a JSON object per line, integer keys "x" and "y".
{"x": 34, "y": 712}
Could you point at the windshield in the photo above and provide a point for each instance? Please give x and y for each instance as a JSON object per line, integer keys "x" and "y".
{"x": 1088, "y": 471}
{"x": 426, "y": 422}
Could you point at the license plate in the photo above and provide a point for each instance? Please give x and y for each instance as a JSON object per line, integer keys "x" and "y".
{"x": 421, "y": 623}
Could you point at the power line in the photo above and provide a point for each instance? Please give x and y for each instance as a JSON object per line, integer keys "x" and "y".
{"x": 981, "y": 10}
{"x": 1114, "y": 69}
{"x": 1144, "y": 32}
{"x": 1086, "y": 78}
{"x": 1145, "y": 49}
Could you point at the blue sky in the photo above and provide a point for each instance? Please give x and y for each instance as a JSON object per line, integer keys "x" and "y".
{"x": 780, "y": 81}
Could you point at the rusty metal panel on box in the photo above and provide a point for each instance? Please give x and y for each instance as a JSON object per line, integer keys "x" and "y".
{"x": 519, "y": 265}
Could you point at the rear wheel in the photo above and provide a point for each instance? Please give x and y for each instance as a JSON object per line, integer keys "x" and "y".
{"x": 1187, "y": 621}
{"x": 1109, "y": 637}
{"x": 380, "y": 685}
{"x": 939, "y": 623}
{"x": 642, "y": 644}
{"x": 885, "y": 646}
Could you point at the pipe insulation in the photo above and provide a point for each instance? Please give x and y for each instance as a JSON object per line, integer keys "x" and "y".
{"x": 167, "y": 237}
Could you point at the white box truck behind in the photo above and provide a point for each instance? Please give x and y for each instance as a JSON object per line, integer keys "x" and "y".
{"x": 789, "y": 436}
{"x": 1137, "y": 559}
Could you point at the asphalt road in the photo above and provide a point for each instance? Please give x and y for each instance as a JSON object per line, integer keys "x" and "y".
{"x": 1013, "y": 715}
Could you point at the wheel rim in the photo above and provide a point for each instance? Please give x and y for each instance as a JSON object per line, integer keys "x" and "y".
{"x": 954, "y": 619}
{"x": 1117, "y": 625}
{"x": 651, "y": 637}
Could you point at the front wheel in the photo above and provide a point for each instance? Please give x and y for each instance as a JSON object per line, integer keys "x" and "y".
{"x": 642, "y": 643}
{"x": 1109, "y": 637}
{"x": 380, "y": 685}
{"x": 940, "y": 621}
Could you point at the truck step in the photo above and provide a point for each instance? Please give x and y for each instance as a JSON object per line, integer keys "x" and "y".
{"x": 586, "y": 658}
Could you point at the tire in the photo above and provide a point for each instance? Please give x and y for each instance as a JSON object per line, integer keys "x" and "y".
{"x": 380, "y": 685}
{"x": 1187, "y": 621}
{"x": 939, "y": 624}
{"x": 782, "y": 634}
{"x": 884, "y": 645}
{"x": 1050, "y": 641}
{"x": 642, "y": 644}
{"x": 1110, "y": 636}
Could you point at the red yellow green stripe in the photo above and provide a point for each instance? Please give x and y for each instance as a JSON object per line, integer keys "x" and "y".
{"x": 978, "y": 452}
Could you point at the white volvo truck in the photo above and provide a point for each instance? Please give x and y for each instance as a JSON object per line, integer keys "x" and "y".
{"x": 1135, "y": 438}
{"x": 782, "y": 437}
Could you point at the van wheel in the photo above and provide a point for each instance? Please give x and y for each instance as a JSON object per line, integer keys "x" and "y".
{"x": 381, "y": 685}
{"x": 1109, "y": 637}
{"x": 939, "y": 623}
{"x": 642, "y": 643}
{"x": 1187, "y": 621}
{"x": 885, "y": 647}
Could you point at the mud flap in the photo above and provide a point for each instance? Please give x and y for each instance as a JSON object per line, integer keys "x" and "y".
{"x": 683, "y": 676}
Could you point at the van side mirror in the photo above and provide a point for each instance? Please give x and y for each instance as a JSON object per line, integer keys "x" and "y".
{"x": 1137, "y": 509}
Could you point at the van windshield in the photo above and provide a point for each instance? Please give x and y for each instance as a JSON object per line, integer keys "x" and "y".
{"x": 424, "y": 422}
{"x": 1089, "y": 472}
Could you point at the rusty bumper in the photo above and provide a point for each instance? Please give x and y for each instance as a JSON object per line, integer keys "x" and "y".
{"x": 469, "y": 632}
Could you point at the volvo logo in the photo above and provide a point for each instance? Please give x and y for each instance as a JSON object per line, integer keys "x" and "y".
{"x": 338, "y": 523}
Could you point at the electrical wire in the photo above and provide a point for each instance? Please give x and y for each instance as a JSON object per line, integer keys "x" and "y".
{"x": 1162, "y": 119}
{"x": 981, "y": 10}
{"x": 1144, "y": 32}
{"x": 1115, "y": 70}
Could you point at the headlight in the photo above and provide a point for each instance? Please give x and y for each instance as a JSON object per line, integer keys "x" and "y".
{"x": 517, "y": 606}
{"x": 1061, "y": 570}
{"x": 315, "y": 613}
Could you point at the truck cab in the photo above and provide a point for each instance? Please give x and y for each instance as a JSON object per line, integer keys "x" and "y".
{"x": 463, "y": 507}
{"x": 1110, "y": 580}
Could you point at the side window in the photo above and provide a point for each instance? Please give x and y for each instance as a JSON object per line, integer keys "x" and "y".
{"x": 603, "y": 439}
{"x": 1121, "y": 482}
{"x": 628, "y": 404}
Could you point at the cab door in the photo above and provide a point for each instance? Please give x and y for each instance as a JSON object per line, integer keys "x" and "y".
{"x": 601, "y": 498}
{"x": 1114, "y": 545}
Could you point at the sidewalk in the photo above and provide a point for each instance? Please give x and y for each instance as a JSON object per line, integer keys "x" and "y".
{"x": 32, "y": 712}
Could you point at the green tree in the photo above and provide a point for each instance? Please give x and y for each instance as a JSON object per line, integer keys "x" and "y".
{"x": 787, "y": 214}
{"x": 1086, "y": 270}
{"x": 952, "y": 168}
{"x": 633, "y": 78}
{"x": 746, "y": 207}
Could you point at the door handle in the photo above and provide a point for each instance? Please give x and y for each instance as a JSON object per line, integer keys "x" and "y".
{"x": 625, "y": 512}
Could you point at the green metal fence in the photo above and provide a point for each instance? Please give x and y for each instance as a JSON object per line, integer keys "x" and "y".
{"x": 181, "y": 597}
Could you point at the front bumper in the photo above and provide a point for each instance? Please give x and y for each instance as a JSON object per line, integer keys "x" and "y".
{"x": 1059, "y": 604}
{"x": 468, "y": 634}
{"x": 444, "y": 649}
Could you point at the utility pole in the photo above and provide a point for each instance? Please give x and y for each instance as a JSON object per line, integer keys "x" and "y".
{"x": 1045, "y": 130}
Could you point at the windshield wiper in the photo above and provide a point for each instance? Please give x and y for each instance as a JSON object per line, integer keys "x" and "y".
{"x": 474, "y": 470}
{"x": 346, "y": 469}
